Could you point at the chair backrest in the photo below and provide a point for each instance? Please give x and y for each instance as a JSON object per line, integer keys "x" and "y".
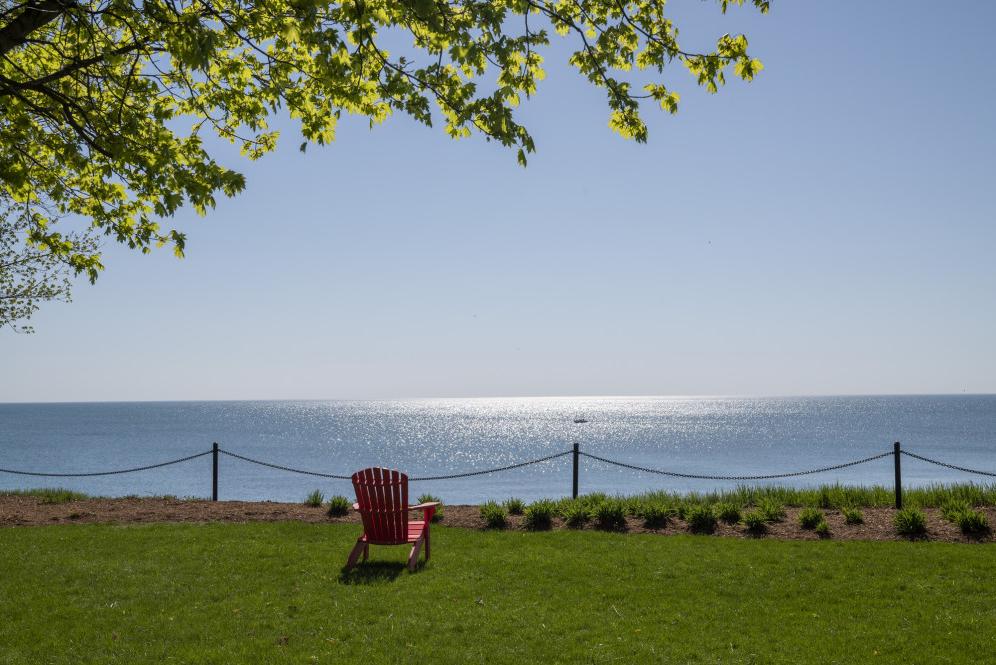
{"x": 382, "y": 495}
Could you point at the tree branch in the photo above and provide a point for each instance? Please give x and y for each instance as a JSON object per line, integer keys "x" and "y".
{"x": 36, "y": 14}
{"x": 12, "y": 86}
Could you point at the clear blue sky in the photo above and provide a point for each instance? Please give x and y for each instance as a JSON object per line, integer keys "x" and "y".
{"x": 828, "y": 229}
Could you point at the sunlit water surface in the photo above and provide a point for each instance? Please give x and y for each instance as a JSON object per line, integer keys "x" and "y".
{"x": 713, "y": 436}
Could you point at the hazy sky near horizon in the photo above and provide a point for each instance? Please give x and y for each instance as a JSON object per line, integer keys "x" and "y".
{"x": 827, "y": 229}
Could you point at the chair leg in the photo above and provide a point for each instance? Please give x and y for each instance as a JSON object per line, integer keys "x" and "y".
{"x": 366, "y": 551}
{"x": 355, "y": 554}
{"x": 413, "y": 557}
{"x": 426, "y": 542}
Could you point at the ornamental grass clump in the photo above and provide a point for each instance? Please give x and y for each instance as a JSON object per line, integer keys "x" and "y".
{"x": 728, "y": 512}
{"x": 972, "y": 522}
{"x": 810, "y": 518}
{"x": 338, "y": 506}
{"x": 754, "y": 522}
{"x": 610, "y": 515}
{"x": 515, "y": 506}
{"x": 494, "y": 515}
{"x": 969, "y": 494}
{"x": 633, "y": 506}
{"x": 968, "y": 519}
{"x": 593, "y": 499}
{"x": 538, "y": 516}
{"x": 586, "y": 501}
{"x": 822, "y": 529}
{"x": 772, "y": 510}
{"x": 576, "y": 515}
{"x": 911, "y": 522}
{"x": 852, "y": 516}
{"x": 952, "y": 509}
{"x": 656, "y": 515}
{"x": 701, "y": 519}
{"x": 429, "y": 498}
{"x": 315, "y": 499}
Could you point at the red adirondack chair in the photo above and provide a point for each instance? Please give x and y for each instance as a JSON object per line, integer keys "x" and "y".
{"x": 382, "y": 501}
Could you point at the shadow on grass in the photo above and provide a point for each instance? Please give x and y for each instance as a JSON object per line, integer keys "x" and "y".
{"x": 978, "y": 534}
{"x": 374, "y": 572}
{"x": 915, "y": 537}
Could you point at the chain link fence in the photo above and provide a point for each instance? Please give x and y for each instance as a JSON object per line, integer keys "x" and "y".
{"x": 576, "y": 452}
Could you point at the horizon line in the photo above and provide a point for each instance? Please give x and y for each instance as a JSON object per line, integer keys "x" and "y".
{"x": 506, "y": 397}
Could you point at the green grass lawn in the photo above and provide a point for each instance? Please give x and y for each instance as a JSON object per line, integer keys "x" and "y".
{"x": 274, "y": 593}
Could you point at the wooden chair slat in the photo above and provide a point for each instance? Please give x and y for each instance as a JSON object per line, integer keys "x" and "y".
{"x": 378, "y": 504}
{"x": 368, "y": 489}
{"x": 394, "y": 492}
{"x": 389, "y": 516}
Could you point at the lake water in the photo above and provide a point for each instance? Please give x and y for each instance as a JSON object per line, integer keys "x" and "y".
{"x": 710, "y": 436}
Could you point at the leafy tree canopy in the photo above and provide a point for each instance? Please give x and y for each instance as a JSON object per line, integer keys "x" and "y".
{"x": 31, "y": 275}
{"x": 93, "y": 93}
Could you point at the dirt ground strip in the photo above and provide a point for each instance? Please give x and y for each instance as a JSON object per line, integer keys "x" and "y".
{"x": 30, "y": 511}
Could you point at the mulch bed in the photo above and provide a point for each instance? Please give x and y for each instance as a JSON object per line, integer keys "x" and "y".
{"x": 30, "y": 511}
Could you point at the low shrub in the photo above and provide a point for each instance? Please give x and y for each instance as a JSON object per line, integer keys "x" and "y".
{"x": 515, "y": 506}
{"x": 911, "y": 522}
{"x": 576, "y": 515}
{"x": 728, "y": 512}
{"x": 810, "y": 518}
{"x": 339, "y": 506}
{"x": 772, "y": 510}
{"x": 315, "y": 499}
{"x": 494, "y": 515}
{"x": 852, "y": 516}
{"x": 538, "y": 516}
{"x": 610, "y": 515}
{"x": 656, "y": 515}
{"x": 972, "y": 522}
{"x": 429, "y": 498}
{"x": 754, "y": 521}
{"x": 822, "y": 529}
{"x": 701, "y": 519}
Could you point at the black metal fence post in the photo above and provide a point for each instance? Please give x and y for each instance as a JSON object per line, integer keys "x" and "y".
{"x": 214, "y": 472}
{"x": 899, "y": 475}
{"x": 574, "y": 489}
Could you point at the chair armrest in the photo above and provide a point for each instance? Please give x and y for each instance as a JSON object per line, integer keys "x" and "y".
{"x": 428, "y": 509}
